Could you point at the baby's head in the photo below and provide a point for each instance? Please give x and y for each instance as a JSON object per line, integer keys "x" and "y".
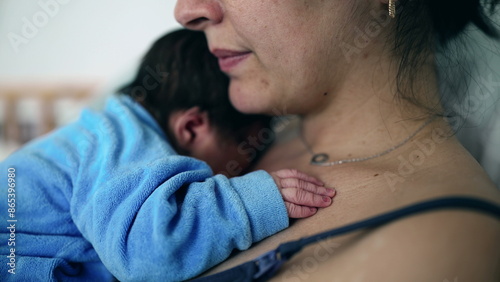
{"x": 179, "y": 82}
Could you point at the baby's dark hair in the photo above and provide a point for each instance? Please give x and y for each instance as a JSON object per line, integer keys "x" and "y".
{"x": 177, "y": 73}
{"x": 424, "y": 27}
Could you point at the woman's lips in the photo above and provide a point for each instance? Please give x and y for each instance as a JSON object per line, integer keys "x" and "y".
{"x": 229, "y": 59}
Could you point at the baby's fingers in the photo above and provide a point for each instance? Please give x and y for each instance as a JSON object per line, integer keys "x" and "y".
{"x": 303, "y": 197}
{"x": 293, "y": 173}
{"x": 296, "y": 211}
{"x": 310, "y": 187}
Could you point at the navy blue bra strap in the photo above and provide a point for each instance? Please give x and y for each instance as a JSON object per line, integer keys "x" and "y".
{"x": 265, "y": 266}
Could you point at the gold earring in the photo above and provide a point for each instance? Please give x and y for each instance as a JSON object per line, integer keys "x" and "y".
{"x": 392, "y": 8}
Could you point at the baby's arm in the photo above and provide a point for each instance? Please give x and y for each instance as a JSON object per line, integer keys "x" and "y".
{"x": 152, "y": 215}
{"x": 302, "y": 193}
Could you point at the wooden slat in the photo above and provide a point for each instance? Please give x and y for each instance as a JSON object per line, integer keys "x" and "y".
{"x": 48, "y": 94}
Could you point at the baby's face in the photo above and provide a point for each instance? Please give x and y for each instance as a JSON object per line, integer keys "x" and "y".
{"x": 224, "y": 155}
{"x": 195, "y": 136}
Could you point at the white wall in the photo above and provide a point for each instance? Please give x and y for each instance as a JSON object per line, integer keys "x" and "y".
{"x": 75, "y": 39}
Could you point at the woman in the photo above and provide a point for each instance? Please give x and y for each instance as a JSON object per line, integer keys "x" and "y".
{"x": 365, "y": 86}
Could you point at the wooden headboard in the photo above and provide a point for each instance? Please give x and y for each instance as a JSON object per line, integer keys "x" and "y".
{"x": 43, "y": 98}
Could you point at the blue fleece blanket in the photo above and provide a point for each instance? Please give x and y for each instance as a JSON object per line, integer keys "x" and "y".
{"x": 108, "y": 196}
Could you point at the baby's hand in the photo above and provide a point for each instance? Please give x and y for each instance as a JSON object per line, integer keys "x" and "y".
{"x": 302, "y": 193}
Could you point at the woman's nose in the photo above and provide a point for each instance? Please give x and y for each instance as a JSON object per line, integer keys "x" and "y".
{"x": 198, "y": 14}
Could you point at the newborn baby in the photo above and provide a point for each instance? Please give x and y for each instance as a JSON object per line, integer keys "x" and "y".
{"x": 130, "y": 191}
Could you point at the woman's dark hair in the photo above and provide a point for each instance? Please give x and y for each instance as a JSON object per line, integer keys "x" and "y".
{"x": 438, "y": 26}
{"x": 178, "y": 73}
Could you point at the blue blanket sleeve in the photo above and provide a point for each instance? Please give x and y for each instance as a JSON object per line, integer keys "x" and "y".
{"x": 107, "y": 195}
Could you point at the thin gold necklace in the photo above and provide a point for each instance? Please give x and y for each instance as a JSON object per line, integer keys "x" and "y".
{"x": 322, "y": 159}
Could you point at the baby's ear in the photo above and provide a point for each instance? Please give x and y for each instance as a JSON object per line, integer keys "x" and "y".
{"x": 189, "y": 126}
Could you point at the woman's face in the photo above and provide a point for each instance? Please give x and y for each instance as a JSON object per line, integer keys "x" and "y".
{"x": 282, "y": 56}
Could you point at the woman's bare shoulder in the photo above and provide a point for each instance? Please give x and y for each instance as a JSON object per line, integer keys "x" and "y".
{"x": 434, "y": 246}
{"x": 453, "y": 245}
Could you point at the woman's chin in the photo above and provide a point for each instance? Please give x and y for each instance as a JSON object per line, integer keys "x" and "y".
{"x": 246, "y": 102}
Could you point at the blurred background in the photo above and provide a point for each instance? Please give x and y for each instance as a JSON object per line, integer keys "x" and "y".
{"x": 58, "y": 56}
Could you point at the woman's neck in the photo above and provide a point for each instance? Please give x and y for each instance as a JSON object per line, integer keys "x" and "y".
{"x": 362, "y": 117}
